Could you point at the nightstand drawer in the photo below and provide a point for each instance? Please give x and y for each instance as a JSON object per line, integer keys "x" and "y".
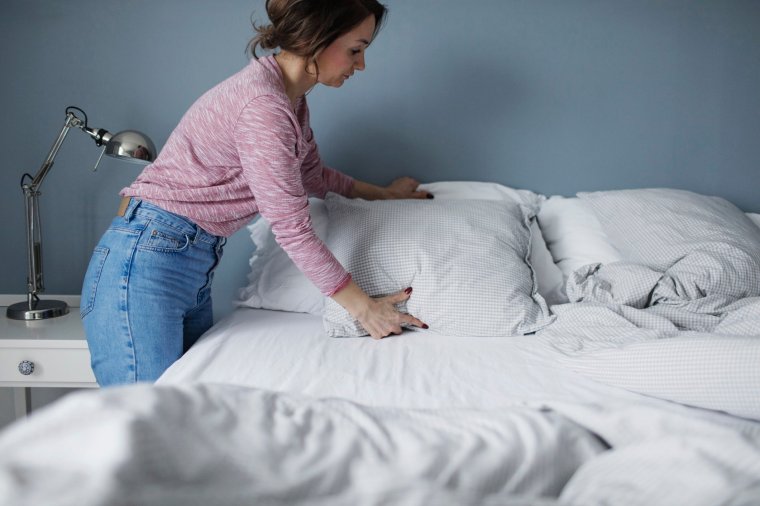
{"x": 51, "y": 366}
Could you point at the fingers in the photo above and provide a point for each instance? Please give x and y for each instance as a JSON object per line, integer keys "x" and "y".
{"x": 407, "y": 188}
{"x": 381, "y": 332}
{"x": 397, "y": 329}
{"x": 407, "y": 181}
{"x": 404, "y": 185}
{"x": 399, "y": 297}
{"x": 392, "y": 320}
{"x": 408, "y": 319}
{"x": 421, "y": 194}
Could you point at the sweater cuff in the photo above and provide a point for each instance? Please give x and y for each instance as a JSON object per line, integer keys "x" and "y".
{"x": 343, "y": 283}
{"x": 338, "y": 182}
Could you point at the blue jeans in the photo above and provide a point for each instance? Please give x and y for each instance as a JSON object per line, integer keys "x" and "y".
{"x": 146, "y": 296}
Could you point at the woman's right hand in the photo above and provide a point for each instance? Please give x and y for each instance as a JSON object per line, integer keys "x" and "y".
{"x": 378, "y": 315}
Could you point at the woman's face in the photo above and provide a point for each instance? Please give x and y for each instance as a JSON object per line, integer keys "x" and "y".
{"x": 338, "y": 61}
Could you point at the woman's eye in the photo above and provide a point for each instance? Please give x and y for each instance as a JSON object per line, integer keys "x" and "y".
{"x": 356, "y": 51}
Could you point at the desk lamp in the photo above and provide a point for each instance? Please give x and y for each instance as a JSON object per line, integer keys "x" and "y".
{"x": 128, "y": 145}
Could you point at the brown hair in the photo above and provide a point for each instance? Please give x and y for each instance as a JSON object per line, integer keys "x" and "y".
{"x": 304, "y": 27}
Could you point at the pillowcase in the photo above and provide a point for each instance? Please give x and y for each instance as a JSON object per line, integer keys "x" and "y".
{"x": 479, "y": 190}
{"x": 755, "y": 218}
{"x": 274, "y": 281}
{"x": 574, "y": 235}
{"x": 467, "y": 261}
{"x": 658, "y": 226}
{"x": 549, "y": 276}
{"x": 705, "y": 246}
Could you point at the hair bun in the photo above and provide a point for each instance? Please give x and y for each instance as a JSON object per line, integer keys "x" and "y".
{"x": 304, "y": 27}
{"x": 267, "y": 37}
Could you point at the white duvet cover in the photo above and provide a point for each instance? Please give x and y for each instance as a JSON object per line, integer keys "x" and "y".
{"x": 222, "y": 445}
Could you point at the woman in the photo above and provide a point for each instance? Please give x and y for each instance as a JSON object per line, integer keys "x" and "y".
{"x": 245, "y": 147}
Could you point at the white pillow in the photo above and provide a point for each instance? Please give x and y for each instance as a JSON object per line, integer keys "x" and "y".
{"x": 755, "y": 218}
{"x": 548, "y": 275}
{"x": 706, "y": 248}
{"x": 274, "y": 281}
{"x": 659, "y": 226}
{"x": 478, "y": 190}
{"x": 574, "y": 235}
{"x": 466, "y": 260}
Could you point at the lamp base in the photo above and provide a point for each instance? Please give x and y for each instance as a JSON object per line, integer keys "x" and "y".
{"x": 38, "y": 310}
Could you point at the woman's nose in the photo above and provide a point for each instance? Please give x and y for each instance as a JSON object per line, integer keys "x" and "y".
{"x": 360, "y": 62}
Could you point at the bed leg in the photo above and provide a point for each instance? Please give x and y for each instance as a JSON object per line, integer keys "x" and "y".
{"x": 22, "y": 400}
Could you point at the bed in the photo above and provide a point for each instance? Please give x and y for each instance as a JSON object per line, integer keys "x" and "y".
{"x": 600, "y": 349}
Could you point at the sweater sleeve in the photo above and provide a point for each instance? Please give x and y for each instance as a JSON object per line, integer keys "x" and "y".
{"x": 267, "y": 145}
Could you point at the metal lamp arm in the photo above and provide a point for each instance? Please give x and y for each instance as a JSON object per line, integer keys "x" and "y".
{"x": 71, "y": 121}
{"x": 35, "y": 282}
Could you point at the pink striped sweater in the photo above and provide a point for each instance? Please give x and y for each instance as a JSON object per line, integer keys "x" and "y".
{"x": 241, "y": 150}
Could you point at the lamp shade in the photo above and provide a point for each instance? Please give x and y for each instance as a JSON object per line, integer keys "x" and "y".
{"x": 131, "y": 146}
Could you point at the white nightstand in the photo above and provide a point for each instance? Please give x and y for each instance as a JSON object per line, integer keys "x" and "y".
{"x": 56, "y": 347}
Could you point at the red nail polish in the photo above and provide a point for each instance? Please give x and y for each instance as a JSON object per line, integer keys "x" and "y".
{"x": 408, "y": 290}
{"x": 425, "y": 326}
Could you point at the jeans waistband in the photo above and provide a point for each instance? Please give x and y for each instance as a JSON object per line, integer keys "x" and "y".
{"x": 131, "y": 207}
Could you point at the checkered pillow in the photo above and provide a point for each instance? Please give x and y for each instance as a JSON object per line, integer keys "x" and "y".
{"x": 705, "y": 245}
{"x": 467, "y": 261}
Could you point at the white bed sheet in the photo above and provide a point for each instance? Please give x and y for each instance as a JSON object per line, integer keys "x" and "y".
{"x": 290, "y": 352}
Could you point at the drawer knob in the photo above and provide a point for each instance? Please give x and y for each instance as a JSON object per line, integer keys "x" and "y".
{"x": 26, "y": 367}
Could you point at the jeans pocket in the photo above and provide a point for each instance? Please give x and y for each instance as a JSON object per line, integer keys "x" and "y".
{"x": 163, "y": 238}
{"x": 91, "y": 280}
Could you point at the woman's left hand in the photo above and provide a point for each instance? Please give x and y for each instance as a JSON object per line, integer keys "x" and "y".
{"x": 406, "y": 188}
{"x": 401, "y": 188}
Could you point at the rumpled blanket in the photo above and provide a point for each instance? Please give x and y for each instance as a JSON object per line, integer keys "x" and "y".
{"x": 689, "y": 334}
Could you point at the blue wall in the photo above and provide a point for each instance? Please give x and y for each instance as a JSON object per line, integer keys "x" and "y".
{"x": 556, "y": 96}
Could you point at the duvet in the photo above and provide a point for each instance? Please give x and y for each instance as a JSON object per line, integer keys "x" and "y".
{"x": 231, "y": 445}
